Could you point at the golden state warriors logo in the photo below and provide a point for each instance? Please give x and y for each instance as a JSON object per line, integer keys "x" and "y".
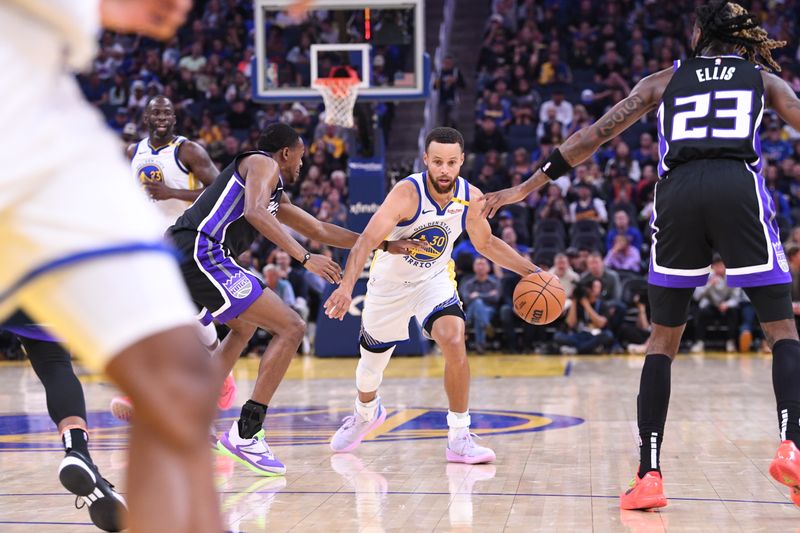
{"x": 150, "y": 173}
{"x": 291, "y": 426}
{"x": 436, "y": 237}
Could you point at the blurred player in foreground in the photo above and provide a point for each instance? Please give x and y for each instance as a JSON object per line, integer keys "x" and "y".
{"x": 83, "y": 251}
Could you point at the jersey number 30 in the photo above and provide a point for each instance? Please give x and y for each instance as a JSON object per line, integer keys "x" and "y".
{"x": 701, "y": 108}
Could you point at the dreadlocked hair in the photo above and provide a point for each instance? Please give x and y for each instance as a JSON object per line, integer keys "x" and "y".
{"x": 728, "y": 22}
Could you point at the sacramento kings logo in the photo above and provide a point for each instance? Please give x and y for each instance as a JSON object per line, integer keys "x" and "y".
{"x": 239, "y": 286}
{"x": 780, "y": 256}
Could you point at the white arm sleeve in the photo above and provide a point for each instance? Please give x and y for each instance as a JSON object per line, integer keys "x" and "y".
{"x": 77, "y": 22}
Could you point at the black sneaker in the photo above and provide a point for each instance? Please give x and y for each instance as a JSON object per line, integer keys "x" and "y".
{"x": 81, "y": 477}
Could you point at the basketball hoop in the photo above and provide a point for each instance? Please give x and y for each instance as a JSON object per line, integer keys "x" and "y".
{"x": 339, "y": 96}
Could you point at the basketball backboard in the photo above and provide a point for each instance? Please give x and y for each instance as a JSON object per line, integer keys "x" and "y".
{"x": 383, "y": 40}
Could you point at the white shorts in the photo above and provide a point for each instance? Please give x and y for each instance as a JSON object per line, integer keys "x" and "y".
{"x": 82, "y": 248}
{"x": 389, "y": 305}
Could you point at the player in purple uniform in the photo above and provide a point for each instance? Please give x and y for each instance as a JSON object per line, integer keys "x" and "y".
{"x": 244, "y": 201}
{"x": 710, "y": 197}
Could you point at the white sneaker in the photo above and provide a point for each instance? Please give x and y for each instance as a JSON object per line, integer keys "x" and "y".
{"x": 354, "y": 428}
{"x": 730, "y": 346}
{"x": 462, "y": 449}
{"x": 568, "y": 350}
{"x": 698, "y": 347}
{"x": 253, "y": 453}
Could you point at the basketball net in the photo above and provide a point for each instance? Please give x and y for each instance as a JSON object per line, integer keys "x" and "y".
{"x": 339, "y": 96}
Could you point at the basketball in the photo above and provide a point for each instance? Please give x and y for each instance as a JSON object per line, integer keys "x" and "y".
{"x": 539, "y": 298}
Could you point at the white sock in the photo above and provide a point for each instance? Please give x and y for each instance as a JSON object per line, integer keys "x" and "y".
{"x": 458, "y": 423}
{"x": 367, "y": 410}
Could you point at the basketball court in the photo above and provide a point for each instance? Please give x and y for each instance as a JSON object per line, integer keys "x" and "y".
{"x": 563, "y": 429}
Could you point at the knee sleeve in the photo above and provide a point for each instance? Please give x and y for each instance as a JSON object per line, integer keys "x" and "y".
{"x": 369, "y": 372}
{"x": 53, "y": 365}
{"x": 208, "y": 335}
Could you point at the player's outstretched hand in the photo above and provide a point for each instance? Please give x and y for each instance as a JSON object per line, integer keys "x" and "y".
{"x": 338, "y": 303}
{"x": 325, "y": 267}
{"x": 493, "y": 201}
{"x": 155, "y": 18}
{"x": 406, "y": 246}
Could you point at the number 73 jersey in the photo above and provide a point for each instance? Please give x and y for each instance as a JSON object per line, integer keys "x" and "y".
{"x": 437, "y": 226}
{"x": 711, "y": 109}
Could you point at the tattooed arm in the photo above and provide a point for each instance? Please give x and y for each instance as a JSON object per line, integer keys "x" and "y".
{"x": 645, "y": 96}
{"x": 782, "y": 99}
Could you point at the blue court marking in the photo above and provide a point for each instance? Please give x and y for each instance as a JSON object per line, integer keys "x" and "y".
{"x": 412, "y": 493}
{"x": 568, "y": 368}
{"x": 287, "y": 426}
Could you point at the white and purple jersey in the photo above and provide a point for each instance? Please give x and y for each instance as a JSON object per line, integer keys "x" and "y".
{"x": 438, "y": 226}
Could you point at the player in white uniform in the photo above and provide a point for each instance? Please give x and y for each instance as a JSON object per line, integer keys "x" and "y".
{"x": 82, "y": 251}
{"x": 433, "y": 206}
{"x": 173, "y": 172}
{"x": 172, "y": 169}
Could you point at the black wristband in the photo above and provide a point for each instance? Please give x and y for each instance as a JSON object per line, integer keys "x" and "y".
{"x": 385, "y": 246}
{"x": 306, "y": 258}
{"x": 555, "y": 166}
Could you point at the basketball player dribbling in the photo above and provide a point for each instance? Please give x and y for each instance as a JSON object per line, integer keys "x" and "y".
{"x": 245, "y": 200}
{"x": 432, "y": 206}
{"x": 83, "y": 252}
{"x": 710, "y": 197}
{"x": 173, "y": 172}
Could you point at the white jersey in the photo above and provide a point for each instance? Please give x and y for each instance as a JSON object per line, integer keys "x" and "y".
{"x": 74, "y": 24}
{"x": 162, "y": 164}
{"x": 438, "y": 227}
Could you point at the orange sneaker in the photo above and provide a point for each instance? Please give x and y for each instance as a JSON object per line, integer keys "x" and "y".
{"x": 122, "y": 408}
{"x": 785, "y": 468}
{"x": 644, "y": 493}
{"x": 228, "y": 393}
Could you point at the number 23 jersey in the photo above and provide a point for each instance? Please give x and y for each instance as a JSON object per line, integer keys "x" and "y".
{"x": 711, "y": 109}
{"x": 438, "y": 227}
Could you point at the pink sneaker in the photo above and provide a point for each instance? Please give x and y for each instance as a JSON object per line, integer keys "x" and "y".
{"x": 462, "y": 449}
{"x": 228, "y": 393}
{"x": 354, "y": 429}
{"x": 122, "y": 408}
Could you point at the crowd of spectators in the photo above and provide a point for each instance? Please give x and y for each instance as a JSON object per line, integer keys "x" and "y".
{"x": 206, "y": 71}
{"x": 548, "y": 69}
{"x": 545, "y": 70}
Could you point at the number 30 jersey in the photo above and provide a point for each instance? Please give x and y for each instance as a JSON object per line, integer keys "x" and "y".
{"x": 438, "y": 227}
{"x": 711, "y": 109}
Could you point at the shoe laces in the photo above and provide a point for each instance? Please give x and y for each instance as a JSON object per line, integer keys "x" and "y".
{"x": 352, "y": 420}
{"x": 348, "y": 421}
{"x": 259, "y": 440}
{"x": 468, "y": 438}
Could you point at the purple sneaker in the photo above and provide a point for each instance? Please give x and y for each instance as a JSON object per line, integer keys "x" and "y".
{"x": 253, "y": 453}
{"x": 354, "y": 429}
